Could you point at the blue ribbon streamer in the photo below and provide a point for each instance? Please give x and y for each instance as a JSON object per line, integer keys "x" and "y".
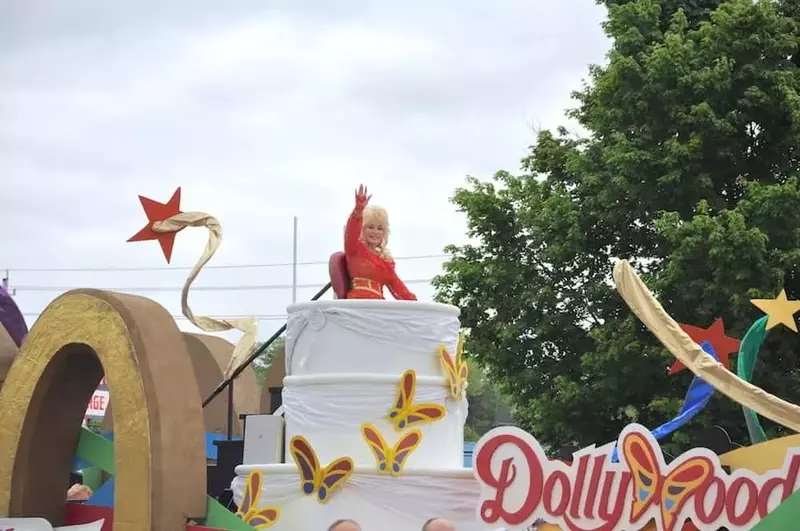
{"x": 696, "y": 399}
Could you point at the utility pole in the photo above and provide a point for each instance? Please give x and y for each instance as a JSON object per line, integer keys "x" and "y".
{"x": 294, "y": 262}
{"x": 6, "y": 281}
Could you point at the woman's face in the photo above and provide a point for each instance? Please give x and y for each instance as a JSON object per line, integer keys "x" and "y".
{"x": 373, "y": 233}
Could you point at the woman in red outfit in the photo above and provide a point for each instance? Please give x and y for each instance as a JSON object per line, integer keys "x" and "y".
{"x": 369, "y": 263}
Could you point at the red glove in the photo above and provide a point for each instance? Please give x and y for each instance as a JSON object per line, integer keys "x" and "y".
{"x": 361, "y": 197}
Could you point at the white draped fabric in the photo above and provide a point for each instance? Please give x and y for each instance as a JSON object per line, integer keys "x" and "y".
{"x": 345, "y": 405}
{"x": 394, "y": 325}
{"x": 375, "y": 501}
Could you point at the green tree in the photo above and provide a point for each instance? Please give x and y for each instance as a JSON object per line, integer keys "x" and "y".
{"x": 689, "y": 170}
{"x": 95, "y": 425}
{"x": 488, "y": 405}
{"x": 262, "y": 363}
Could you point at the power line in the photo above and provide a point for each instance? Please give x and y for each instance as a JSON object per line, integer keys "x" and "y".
{"x": 275, "y": 317}
{"x": 181, "y": 268}
{"x": 194, "y": 288}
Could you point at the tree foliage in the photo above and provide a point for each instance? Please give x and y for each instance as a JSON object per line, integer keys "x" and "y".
{"x": 689, "y": 170}
{"x": 488, "y": 405}
{"x": 263, "y": 362}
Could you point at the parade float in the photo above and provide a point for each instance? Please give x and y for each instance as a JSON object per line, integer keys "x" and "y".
{"x": 373, "y": 401}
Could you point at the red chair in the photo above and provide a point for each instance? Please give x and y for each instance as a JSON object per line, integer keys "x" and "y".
{"x": 340, "y": 278}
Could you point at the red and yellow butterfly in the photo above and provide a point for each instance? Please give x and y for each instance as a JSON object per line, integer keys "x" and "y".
{"x": 650, "y": 486}
{"x": 404, "y": 413}
{"x": 313, "y": 478}
{"x": 455, "y": 370}
{"x": 249, "y": 511}
{"x": 390, "y": 459}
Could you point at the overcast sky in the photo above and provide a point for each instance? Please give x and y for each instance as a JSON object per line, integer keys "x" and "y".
{"x": 263, "y": 111}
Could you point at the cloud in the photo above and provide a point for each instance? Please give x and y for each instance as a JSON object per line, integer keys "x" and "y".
{"x": 262, "y": 112}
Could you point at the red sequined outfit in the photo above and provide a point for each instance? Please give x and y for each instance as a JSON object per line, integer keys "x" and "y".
{"x": 369, "y": 273}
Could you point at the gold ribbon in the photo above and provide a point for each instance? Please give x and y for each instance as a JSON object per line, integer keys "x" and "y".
{"x": 644, "y": 304}
{"x": 248, "y": 326}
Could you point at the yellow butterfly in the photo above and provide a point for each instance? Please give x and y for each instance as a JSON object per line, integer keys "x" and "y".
{"x": 456, "y": 370}
{"x": 390, "y": 459}
{"x": 249, "y": 511}
{"x": 405, "y": 413}
{"x": 313, "y": 478}
{"x": 669, "y": 489}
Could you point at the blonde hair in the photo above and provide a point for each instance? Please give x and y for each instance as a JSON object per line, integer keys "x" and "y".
{"x": 379, "y": 216}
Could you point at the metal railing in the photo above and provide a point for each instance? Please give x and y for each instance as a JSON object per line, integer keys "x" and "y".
{"x": 228, "y": 383}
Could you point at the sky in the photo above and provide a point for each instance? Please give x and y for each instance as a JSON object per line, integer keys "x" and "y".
{"x": 263, "y": 111}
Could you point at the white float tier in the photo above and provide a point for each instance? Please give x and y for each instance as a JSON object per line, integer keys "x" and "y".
{"x": 375, "y": 501}
{"x": 329, "y": 410}
{"x": 368, "y": 336}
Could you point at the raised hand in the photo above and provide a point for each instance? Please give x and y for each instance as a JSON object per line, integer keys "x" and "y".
{"x": 361, "y": 196}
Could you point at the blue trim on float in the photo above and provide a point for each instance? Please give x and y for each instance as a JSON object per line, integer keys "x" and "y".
{"x": 211, "y": 448}
{"x": 104, "y": 496}
{"x": 468, "y": 449}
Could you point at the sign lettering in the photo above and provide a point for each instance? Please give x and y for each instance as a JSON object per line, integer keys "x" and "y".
{"x": 97, "y": 404}
{"x": 519, "y": 485}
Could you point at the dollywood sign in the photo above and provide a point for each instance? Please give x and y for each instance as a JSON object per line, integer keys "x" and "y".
{"x": 519, "y": 485}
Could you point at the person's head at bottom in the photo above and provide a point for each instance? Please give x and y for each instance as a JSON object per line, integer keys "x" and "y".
{"x": 344, "y": 525}
{"x": 438, "y": 524}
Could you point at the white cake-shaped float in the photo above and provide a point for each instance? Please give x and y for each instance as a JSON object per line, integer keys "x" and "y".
{"x": 374, "y": 403}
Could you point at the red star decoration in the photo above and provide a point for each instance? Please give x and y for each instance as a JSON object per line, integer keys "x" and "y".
{"x": 156, "y": 211}
{"x": 723, "y": 345}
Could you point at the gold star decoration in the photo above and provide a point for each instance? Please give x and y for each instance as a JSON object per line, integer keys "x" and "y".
{"x": 780, "y": 310}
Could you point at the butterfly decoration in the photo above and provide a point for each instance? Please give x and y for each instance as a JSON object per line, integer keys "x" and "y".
{"x": 390, "y": 459}
{"x": 456, "y": 370}
{"x": 314, "y": 478}
{"x": 404, "y": 413}
{"x": 249, "y": 511}
{"x": 650, "y": 486}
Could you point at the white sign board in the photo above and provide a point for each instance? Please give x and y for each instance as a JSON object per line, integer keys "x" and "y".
{"x": 98, "y": 404}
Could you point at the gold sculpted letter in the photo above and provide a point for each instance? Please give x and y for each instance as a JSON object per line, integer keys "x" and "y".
{"x": 159, "y": 437}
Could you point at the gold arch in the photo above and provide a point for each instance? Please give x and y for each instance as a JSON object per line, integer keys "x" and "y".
{"x": 210, "y": 355}
{"x": 159, "y": 443}
{"x": 246, "y": 391}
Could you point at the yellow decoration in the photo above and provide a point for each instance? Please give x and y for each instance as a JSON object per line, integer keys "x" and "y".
{"x": 404, "y": 413}
{"x": 249, "y": 511}
{"x": 780, "y": 310}
{"x": 390, "y": 459}
{"x": 158, "y": 445}
{"x": 456, "y": 370}
{"x": 313, "y": 478}
{"x": 763, "y": 457}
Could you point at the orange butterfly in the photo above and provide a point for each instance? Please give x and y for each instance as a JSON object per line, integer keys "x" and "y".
{"x": 456, "y": 370}
{"x": 249, "y": 511}
{"x": 385, "y": 454}
{"x": 313, "y": 478}
{"x": 650, "y": 487}
{"x": 405, "y": 413}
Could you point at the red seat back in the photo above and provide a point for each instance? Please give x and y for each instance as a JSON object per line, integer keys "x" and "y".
{"x": 340, "y": 279}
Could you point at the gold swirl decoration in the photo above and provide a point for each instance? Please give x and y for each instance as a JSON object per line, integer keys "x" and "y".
{"x": 647, "y": 308}
{"x": 158, "y": 442}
